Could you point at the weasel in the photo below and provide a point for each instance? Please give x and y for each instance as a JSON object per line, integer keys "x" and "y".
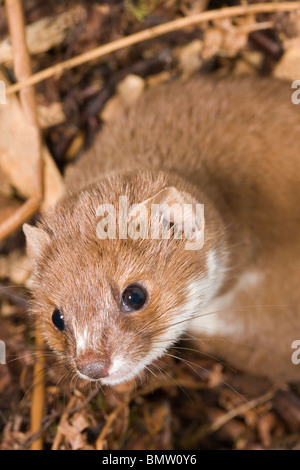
{"x": 111, "y": 306}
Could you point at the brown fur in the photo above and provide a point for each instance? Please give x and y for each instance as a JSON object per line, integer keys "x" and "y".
{"x": 233, "y": 145}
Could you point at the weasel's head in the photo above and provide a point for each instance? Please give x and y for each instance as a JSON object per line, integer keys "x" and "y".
{"x": 109, "y": 306}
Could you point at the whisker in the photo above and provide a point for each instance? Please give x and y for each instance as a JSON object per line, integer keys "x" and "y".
{"x": 20, "y": 267}
{"x": 32, "y": 354}
{"x": 224, "y": 382}
{"x": 208, "y": 355}
{"x": 188, "y": 363}
{"x": 37, "y": 376}
{"x": 13, "y": 286}
{"x": 165, "y": 373}
{"x": 151, "y": 371}
{"x": 193, "y": 317}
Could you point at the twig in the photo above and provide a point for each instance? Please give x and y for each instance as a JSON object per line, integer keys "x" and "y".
{"x": 207, "y": 429}
{"x": 240, "y": 410}
{"x": 23, "y": 70}
{"x": 255, "y": 27}
{"x": 18, "y": 217}
{"x": 150, "y": 33}
{"x": 38, "y": 393}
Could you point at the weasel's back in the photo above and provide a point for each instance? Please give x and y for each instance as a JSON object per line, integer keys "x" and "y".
{"x": 236, "y": 137}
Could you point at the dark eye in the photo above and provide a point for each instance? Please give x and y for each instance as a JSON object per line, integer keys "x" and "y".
{"x": 134, "y": 297}
{"x": 58, "y": 319}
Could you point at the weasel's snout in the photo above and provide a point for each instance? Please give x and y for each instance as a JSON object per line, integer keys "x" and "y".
{"x": 94, "y": 370}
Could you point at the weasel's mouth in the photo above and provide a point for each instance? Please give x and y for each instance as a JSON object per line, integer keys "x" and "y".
{"x": 118, "y": 378}
{"x": 117, "y": 374}
{"x": 112, "y": 379}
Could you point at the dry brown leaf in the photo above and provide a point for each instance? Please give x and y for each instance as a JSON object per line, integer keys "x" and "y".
{"x": 226, "y": 38}
{"x": 235, "y": 38}
{"x": 265, "y": 426}
{"x": 212, "y": 42}
{"x": 234, "y": 41}
{"x": 288, "y": 67}
{"x": 18, "y": 148}
{"x": 44, "y": 34}
{"x": 189, "y": 57}
{"x": 287, "y": 25}
{"x": 50, "y": 115}
{"x": 72, "y": 431}
{"x": 19, "y": 155}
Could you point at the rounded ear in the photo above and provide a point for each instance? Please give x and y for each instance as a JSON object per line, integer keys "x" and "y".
{"x": 36, "y": 240}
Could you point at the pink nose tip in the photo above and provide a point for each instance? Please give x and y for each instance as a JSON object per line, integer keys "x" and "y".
{"x": 94, "y": 370}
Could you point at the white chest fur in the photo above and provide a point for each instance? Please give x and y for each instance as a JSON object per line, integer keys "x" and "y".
{"x": 211, "y": 319}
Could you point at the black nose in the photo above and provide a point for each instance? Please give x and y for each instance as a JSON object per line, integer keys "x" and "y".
{"x": 94, "y": 370}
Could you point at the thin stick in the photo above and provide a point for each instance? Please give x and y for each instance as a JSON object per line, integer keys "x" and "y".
{"x": 150, "y": 33}
{"x": 192, "y": 440}
{"x": 18, "y": 217}
{"x": 38, "y": 393}
{"x": 23, "y": 70}
{"x": 240, "y": 410}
